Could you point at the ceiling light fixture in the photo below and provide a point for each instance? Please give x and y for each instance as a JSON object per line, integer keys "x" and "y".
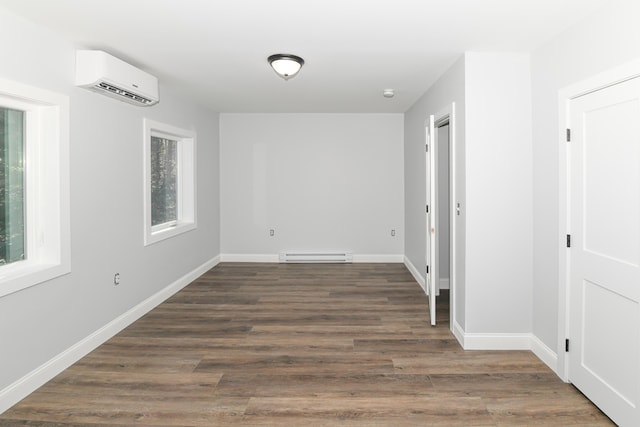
{"x": 388, "y": 93}
{"x": 285, "y": 65}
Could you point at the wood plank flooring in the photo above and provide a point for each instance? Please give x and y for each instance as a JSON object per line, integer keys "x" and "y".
{"x": 301, "y": 345}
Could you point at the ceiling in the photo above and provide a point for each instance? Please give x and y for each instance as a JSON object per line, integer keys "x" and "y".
{"x": 216, "y": 50}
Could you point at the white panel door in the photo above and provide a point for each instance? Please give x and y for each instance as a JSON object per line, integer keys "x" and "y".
{"x": 432, "y": 277}
{"x": 604, "y": 353}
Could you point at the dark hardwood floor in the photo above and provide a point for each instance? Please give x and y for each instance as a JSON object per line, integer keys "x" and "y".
{"x": 301, "y": 345}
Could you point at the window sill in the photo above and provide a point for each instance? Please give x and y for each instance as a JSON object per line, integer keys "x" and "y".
{"x": 152, "y": 237}
{"x": 16, "y": 277}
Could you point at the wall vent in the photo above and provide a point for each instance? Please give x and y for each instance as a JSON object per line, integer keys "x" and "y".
{"x": 313, "y": 257}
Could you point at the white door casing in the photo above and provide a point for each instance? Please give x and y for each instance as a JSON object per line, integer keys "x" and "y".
{"x": 603, "y": 261}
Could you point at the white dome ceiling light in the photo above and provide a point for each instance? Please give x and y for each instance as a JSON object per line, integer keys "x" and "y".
{"x": 388, "y": 93}
{"x": 285, "y": 65}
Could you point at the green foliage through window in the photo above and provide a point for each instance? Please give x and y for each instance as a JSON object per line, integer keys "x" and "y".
{"x": 12, "y": 234}
{"x": 164, "y": 180}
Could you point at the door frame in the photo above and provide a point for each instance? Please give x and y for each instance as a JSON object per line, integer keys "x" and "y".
{"x": 431, "y": 123}
{"x": 565, "y": 96}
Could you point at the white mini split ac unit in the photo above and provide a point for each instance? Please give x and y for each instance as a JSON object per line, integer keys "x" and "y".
{"x": 98, "y": 71}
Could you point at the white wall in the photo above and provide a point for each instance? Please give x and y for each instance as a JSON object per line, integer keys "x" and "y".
{"x": 606, "y": 39}
{"x": 493, "y": 185}
{"x": 106, "y": 160}
{"x": 499, "y": 237}
{"x": 321, "y": 181}
{"x": 449, "y": 88}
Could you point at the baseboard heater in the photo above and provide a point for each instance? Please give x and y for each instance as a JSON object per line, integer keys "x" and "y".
{"x": 313, "y": 257}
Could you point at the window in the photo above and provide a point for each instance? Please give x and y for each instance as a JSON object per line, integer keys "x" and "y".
{"x": 11, "y": 186}
{"x": 34, "y": 186}
{"x": 169, "y": 181}
{"x": 164, "y": 182}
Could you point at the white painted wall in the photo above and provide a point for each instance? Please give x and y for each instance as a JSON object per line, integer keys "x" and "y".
{"x": 106, "y": 158}
{"x": 449, "y": 88}
{"x": 606, "y": 39}
{"x": 494, "y": 186}
{"x": 321, "y": 181}
{"x": 499, "y": 275}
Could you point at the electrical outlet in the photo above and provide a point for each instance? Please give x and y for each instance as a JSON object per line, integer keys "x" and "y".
{"x": 272, "y": 232}
{"x": 116, "y": 279}
{"x": 393, "y": 233}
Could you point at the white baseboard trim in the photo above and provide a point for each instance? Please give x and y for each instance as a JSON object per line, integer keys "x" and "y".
{"x": 26, "y": 385}
{"x": 497, "y": 341}
{"x": 415, "y": 273}
{"x": 276, "y": 258}
{"x": 444, "y": 283}
{"x": 544, "y": 353}
{"x": 458, "y": 332}
{"x": 391, "y": 258}
{"x": 249, "y": 258}
{"x": 526, "y": 341}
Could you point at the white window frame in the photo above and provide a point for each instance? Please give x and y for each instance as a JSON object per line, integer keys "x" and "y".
{"x": 47, "y": 212}
{"x": 186, "y": 176}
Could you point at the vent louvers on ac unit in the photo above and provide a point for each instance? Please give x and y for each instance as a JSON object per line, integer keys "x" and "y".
{"x": 122, "y": 92}
{"x": 103, "y": 73}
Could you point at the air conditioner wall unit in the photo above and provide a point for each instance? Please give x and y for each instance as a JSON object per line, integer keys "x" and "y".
{"x": 98, "y": 71}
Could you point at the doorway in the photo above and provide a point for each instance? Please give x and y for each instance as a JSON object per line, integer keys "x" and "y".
{"x": 440, "y": 216}
{"x": 443, "y": 244}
